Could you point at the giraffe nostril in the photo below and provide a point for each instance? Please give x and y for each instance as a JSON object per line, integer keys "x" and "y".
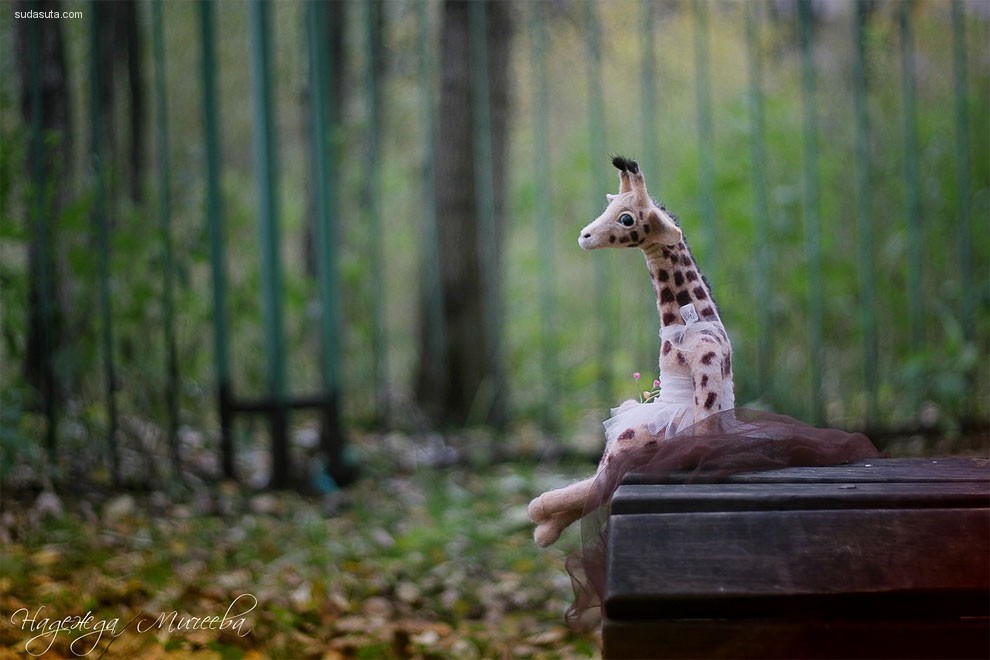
{"x": 587, "y": 236}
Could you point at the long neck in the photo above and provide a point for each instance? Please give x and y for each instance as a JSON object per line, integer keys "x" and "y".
{"x": 678, "y": 282}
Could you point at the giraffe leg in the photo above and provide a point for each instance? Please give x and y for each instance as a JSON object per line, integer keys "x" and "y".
{"x": 555, "y": 510}
{"x": 709, "y": 363}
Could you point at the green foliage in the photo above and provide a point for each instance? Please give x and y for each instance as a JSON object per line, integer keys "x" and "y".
{"x": 20, "y": 432}
{"x": 947, "y": 373}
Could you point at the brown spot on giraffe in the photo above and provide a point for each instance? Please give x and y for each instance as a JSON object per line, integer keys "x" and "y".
{"x": 669, "y": 318}
{"x": 666, "y": 295}
{"x": 678, "y": 278}
{"x": 662, "y": 275}
{"x": 727, "y": 365}
{"x": 699, "y": 293}
{"x": 611, "y": 238}
{"x": 707, "y": 358}
{"x": 708, "y": 311}
{"x": 686, "y": 260}
{"x": 646, "y": 228}
{"x": 680, "y": 358}
{"x": 704, "y": 380}
{"x": 710, "y": 401}
{"x": 692, "y": 276}
{"x": 667, "y": 347}
{"x": 627, "y": 434}
{"x": 683, "y": 298}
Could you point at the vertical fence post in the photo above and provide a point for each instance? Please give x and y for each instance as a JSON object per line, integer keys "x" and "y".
{"x": 102, "y": 230}
{"x": 165, "y": 233}
{"x": 706, "y": 168}
{"x": 603, "y": 273}
{"x": 911, "y": 180}
{"x": 812, "y": 222}
{"x": 544, "y": 220}
{"x": 435, "y": 328}
{"x": 864, "y": 199}
{"x": 376, "y": 245}
{"x": 266, "y": 182}
{"x": 761, "y": 207}
{"x": 965, "y": 230}
{"x": 42, "y": 237}
{"x": 648, "y": 96}
{"x": 324, "y": 180}
{"x": 647, "y": 342}
{"x": 215, "y": 225}
{"x": 484, "y": 183}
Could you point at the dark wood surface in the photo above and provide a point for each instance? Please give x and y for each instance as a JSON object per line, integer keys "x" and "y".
{"x": 884, "y": 558}
{"x": 804, "y": 638}
{"x": 681, "y": 498}
{"x": 772, "y": 562}
{"x": 911, "y": 470}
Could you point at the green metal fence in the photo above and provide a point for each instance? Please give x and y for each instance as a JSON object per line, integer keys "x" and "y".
{"x": 790, "y": 349}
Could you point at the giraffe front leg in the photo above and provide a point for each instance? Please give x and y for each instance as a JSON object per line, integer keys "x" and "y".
{"x": 708, "y": 371}
{"x": 555, "y": 510}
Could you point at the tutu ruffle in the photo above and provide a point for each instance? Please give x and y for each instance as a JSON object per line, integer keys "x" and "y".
{"x": 664, "y": 416}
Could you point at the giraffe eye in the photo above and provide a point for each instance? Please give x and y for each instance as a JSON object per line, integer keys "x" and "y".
{"x": 626, "y": 220}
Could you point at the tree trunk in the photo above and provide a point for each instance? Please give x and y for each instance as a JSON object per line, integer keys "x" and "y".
{"x": 120, "y": 55}
{"x": 463, "y": 385}
{"x": 44, "y": 332}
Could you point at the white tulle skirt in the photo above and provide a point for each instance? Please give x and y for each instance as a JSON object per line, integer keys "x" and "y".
{"x": 668, "y": 413}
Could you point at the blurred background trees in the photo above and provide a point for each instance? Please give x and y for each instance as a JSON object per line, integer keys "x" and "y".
{"x": 453, "y": 221}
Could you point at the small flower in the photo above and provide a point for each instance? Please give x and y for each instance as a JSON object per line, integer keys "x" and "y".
{"x": 648, "y": 396}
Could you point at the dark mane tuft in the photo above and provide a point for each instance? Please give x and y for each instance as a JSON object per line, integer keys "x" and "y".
{"x": 625, "y": 164}
{"x": 673, "y": 217}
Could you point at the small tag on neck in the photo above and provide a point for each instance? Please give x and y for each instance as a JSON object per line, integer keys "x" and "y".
{"x": 689, "y": 314}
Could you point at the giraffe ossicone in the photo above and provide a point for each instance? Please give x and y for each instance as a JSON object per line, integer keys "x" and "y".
{"x": 695, "y": 352}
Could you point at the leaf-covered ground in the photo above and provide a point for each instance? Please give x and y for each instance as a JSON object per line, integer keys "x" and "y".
{"x": 428, "y": 562}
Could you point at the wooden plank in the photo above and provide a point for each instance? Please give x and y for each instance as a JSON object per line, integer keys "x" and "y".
{"x": 795, "y": 638}
{"x": 675, "y": 498}
{"x": 886, "y": 470}
{"x": 739, "y": 563}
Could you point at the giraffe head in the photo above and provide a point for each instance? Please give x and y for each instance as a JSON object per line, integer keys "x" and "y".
{"x": 632, "y": 218}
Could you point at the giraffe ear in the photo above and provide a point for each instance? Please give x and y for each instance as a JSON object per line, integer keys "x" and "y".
{"x": 610, "y": 197}
{"x": 668, "y": 232}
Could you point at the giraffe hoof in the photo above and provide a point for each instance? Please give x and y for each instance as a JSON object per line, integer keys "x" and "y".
{"x": 537, "y": 510}
{"x": 546, "y": 534}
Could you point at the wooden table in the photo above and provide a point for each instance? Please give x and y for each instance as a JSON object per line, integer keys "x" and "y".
{"x": 887, "y": 558}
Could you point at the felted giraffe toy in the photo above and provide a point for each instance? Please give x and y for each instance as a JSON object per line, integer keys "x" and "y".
{"x": 695, "y": 353}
